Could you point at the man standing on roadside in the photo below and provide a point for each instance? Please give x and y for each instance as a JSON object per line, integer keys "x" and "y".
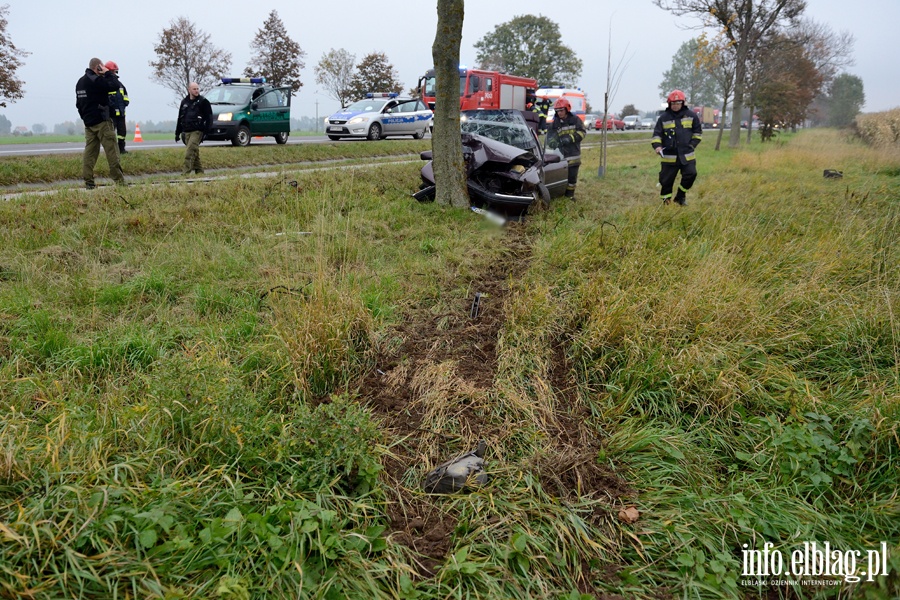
{"x": 569, "y": 131}
{"x": 194, "y": 120}
{"x": 92, "y": 101}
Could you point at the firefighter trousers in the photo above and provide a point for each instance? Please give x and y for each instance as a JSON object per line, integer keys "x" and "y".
{"x": 95, "y": 136}
{"x": 668, "y": 171}
{"x": 119, "y": 122}
{"x": 574, "y": 164}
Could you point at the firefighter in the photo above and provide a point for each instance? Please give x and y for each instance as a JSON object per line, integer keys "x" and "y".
{"x": 569, "y": 130}
{"x": 540, "y": 110}
{"x": 677, "y": 134}
{"x": 92, "y": 102}
{"x": 118, "y": 100}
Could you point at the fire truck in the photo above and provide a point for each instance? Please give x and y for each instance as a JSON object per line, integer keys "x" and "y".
{"x": 550, "y": 95}
{"x": 482, "y": 89}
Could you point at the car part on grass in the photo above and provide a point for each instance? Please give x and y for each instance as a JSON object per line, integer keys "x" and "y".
{"x": 832, "y": 174}
{"x": 476, "y": 305}
{"x": 463, "y": 473}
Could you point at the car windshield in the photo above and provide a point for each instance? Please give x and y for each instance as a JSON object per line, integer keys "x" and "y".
{"x": 226, "y": 94}
{"x": 506, "y": 126}
{"x": 366, "y": 106}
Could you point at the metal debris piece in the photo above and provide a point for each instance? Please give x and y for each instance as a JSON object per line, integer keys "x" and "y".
{"x": 465, "y": 472}
{"x": 832, "y": 174}
{"x": 476, "y": 306}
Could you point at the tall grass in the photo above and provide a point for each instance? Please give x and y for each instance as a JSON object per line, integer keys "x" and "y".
{"x": 180, "y": 375}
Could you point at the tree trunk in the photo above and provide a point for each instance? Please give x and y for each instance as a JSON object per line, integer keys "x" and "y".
{"x": 740, "y": 76}
{"x": 449, "y": 169}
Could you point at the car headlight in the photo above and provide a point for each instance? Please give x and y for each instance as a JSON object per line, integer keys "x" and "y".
{"x": 356, "y": 120}
{"x": 224, "y": 117}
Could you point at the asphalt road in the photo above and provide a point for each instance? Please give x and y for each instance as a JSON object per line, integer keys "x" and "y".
{"x": 78, "y": 147}
{"x": 67, "y": 147}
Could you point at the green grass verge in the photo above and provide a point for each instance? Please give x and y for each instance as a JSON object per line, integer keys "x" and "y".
{"x": 164, "y": 352}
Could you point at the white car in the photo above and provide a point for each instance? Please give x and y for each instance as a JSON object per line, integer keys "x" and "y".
{"x": 632, "y": 122}
{"x": 380, "y": 116}
{"x": 648, "y": 123}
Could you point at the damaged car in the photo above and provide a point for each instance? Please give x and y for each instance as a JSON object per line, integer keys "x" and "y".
{"x": 508, "y": 169}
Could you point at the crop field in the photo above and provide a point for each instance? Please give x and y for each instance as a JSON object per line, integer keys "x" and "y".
{"x": 233, "y": 387}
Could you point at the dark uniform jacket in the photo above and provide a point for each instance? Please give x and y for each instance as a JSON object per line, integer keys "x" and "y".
{"x": 118, "y": 99}
{"x": 678, "y": 133}
{"x": 570, "y": 132}
{"x": 92, "y": 97}
{"x": 194, "y": 114}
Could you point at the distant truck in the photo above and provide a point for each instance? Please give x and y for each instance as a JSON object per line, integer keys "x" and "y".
{"x": 709, "y": 116}
{"x": 482, "y": 89}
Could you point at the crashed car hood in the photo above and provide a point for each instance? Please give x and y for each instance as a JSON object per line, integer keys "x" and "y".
{"x": 486, "y": 150}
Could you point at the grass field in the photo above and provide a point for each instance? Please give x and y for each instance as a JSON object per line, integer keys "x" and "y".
{"x": 233, "y": 389}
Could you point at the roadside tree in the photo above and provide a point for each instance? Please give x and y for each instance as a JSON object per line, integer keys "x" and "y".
{"x": 335, "y": 74}
{"x": 692, "y": 76}
{"x": 629, "y": 110}
{"x": 449, "y": 169}
{"x": 745, "y": 24}
{"x": 845, "y": 99}
{"x": 275, "y": 55}
{"x": 529, "y": 46}
{"x": 11, "y": 88}
{"x": 185, "y": 54}
{"x": 374, "y": 73}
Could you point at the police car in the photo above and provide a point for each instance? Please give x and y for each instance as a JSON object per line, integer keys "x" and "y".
{"x": 244, "y": 107}
{"x": 378, "y": 116}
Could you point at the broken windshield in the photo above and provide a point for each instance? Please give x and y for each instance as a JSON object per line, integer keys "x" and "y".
{"x": 505, "y": 126}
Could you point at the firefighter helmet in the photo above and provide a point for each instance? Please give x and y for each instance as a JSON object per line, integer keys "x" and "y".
{"x": 562, "y": 103}
{"x": 111, "y": 66}
{"x": 675, "y": 96}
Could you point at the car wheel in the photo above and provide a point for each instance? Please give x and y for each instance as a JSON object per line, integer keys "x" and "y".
{"x": 334, "y": 138}
{"x": 541, "y": 198}
{"x": 281, "y": 138}
{"x": 374, "y": 132}
{"x": 242, "y": 137}
{"x": 419, "y": 135}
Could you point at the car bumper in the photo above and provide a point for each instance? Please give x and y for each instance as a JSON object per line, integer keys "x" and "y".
{"x": 222, "y": 130}
{"x": 347, "y": 130}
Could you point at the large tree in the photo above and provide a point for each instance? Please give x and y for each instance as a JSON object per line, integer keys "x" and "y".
{"x": 11, "y": 88}
{"x": 185, "y": 54}
{"x": 449, "y": 169}
{"x": 845, "y": 99}
{"x": 692, "y": 76}
{"x": 275, "y": 55}
{"x": 335, "y": 74}
{"x": 529, "y": 46}
{"x": 375, "y": 73}
{"x": 745, "y": 23}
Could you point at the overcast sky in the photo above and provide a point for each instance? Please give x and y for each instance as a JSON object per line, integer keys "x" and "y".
{"x": 62, "y": 36}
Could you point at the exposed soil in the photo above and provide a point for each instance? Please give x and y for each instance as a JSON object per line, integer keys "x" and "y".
{"x": 458, "y": 349}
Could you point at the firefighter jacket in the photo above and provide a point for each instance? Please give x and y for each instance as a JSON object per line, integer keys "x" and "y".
{"x": 92, "y": 97}
{"x": 194, "y": 114}
{"x": 570, "y": 131}
{"x": 678, "y": 133}
{"x": 118, "y": 99}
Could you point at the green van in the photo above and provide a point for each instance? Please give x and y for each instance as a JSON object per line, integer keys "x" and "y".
{"x": 247, "y": 107}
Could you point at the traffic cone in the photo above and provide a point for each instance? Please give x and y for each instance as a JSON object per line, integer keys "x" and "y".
{"x": 137, "y": 133}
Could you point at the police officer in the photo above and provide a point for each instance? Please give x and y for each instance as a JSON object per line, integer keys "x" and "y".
{"x": 678, "y": 132}
{"x": 194, "y": 121}
{"x": 569, "y": 130}
{"x": 92, "y": 101}
{"x": 118, "y": 100}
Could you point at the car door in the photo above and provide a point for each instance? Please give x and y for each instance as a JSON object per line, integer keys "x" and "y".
{"x": 391, "y": 119}
{"x": 271, "y": 112}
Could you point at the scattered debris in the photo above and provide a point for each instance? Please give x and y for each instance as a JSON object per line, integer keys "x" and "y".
{"x": 832, "y": 174}
{"x": 462, "y": 473}
{"x": 629, "y": 514}
{"x": 476, "y": 306}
